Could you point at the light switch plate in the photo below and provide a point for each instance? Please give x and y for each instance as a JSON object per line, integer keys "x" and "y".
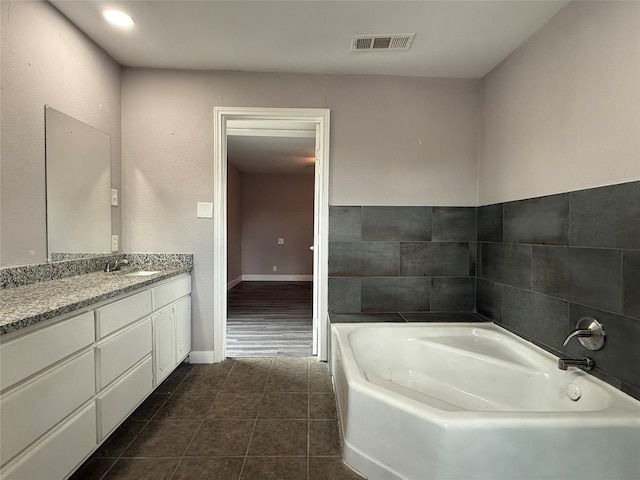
{"x": 280, "y": 241}
{"x": 114, "y": 197}
{"x": 205, "y": 210}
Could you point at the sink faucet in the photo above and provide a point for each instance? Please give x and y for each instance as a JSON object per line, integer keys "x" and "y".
{"x": 583, "y": 363}
{"x": 116, "y": 265}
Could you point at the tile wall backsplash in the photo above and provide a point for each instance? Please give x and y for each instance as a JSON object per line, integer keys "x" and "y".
{"x": 546, "y": 262}
{"x": 402, "y": 259}
{"x": 533, "y": 266}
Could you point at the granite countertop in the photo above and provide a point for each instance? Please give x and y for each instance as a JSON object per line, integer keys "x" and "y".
{"x": 34, "y": 303}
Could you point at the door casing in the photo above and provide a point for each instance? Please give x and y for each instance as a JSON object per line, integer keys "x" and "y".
{"x": 321, "y": 118}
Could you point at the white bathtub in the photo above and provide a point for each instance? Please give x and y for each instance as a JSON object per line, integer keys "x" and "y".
{"x": 465, "y": 401}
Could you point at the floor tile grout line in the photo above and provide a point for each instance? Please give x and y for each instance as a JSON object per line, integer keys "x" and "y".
{"x": 197, "y": 430}
{"x": 146, "y": 424}
{"x": 255, "y": 422}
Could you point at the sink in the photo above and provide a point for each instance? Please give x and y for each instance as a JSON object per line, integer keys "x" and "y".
{"x": 141, "y": 273}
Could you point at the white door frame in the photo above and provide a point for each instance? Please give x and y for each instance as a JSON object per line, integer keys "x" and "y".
{"x": 321, "y": 209}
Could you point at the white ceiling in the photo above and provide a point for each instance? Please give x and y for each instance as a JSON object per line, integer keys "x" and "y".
{"x": 464, "y": 39}
{"x": 461, "y": 39}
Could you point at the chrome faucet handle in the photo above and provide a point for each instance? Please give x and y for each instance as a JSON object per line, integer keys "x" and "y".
{"x": 590, "y": 332}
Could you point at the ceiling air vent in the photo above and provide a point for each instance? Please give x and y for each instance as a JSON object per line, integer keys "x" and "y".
{"x": 370, "y": 43}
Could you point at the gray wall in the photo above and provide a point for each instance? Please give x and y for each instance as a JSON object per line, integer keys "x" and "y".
{"x": 46, "y": 60}
{"x": 562, "y": 112}
{"x": 394, "y": 140}
{"x": 277, "y": 206}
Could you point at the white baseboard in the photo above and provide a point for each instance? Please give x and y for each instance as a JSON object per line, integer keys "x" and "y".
{"x": 201, "y": 357}
{"x": 277, "y": 278}
{"x": 234, "y": 282}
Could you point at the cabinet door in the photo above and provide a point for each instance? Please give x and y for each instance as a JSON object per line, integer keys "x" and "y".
{"x": 164, "y": 356}
{"x": 183, "y": 328}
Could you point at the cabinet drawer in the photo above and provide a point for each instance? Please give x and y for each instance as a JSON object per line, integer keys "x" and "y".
{"x": 171, "y": 291}
{"x": 28, "y": 354}
{"x": 32, "y": 409}
{"x": 115, "y": 403}
{"x": 121, "y": 352}
{"x": 123, "y": 312}
{"x": 60, "y": 452}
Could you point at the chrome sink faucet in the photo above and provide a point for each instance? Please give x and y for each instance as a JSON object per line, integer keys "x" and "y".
{"x": 116, "y": 265}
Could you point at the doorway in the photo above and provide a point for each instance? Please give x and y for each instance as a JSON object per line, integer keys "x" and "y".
{"x": 227, "y": 119}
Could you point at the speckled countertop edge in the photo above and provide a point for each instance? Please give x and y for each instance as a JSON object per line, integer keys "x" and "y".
{"x": 28, "y": 305}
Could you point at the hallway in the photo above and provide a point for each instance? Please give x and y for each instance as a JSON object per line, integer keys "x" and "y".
{"x": 270, "y": 319}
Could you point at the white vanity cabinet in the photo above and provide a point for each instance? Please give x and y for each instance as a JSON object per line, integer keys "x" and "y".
{"x": 47, "y": 408}
{"x": 67, "y": 383}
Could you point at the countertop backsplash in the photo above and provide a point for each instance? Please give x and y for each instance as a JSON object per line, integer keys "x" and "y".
{"x": 79, "y": 264}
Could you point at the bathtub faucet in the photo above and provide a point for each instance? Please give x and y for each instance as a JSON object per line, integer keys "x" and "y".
{"x": 583, "y": 363}
{"x": 577, "y": 333}
{"x": 590, "y": 332}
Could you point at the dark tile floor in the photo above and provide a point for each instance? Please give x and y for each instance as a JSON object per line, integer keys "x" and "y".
{"x": 243, "y": 419}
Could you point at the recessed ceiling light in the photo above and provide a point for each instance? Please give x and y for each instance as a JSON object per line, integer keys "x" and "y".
{"x": 118, "y": 18}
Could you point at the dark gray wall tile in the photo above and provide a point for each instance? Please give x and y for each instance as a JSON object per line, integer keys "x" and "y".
{"x": 442, "y": 317}
{"x": 473, "y": 258}
{"x": 401, "y": 294}
{"x": 606, "y": 217}
{"x": 434, "y": 259}
{"x": 453, "y": 224}
{"x": 453, "y": 294}
{"x": 344, "y": 295}
{"x": 596, "y": 278}
{"x": 590, "y": 276}
{"x": 537, "y": 316}
{"x": 631, "y": 283}
{"x": 359, "y": 259}
{"x": 345, "y": 224}
{"x": 620, "y": 355}
{"x": 396, "y": 223}
{"x": 490, "y": 223}
{"x": 489, "y": 299}
{"x": 551, "y": 271}
{"x": 543, "y": 220}
{"x": 365, "y": 317}
{"x": 631, "y": 390}
{"x": 506, "y": 263}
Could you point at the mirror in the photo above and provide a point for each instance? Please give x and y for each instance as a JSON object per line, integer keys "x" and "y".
{"x": 78, "y": 179}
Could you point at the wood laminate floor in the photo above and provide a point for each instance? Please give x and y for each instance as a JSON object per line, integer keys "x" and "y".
{"x": 267, "y": 319}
